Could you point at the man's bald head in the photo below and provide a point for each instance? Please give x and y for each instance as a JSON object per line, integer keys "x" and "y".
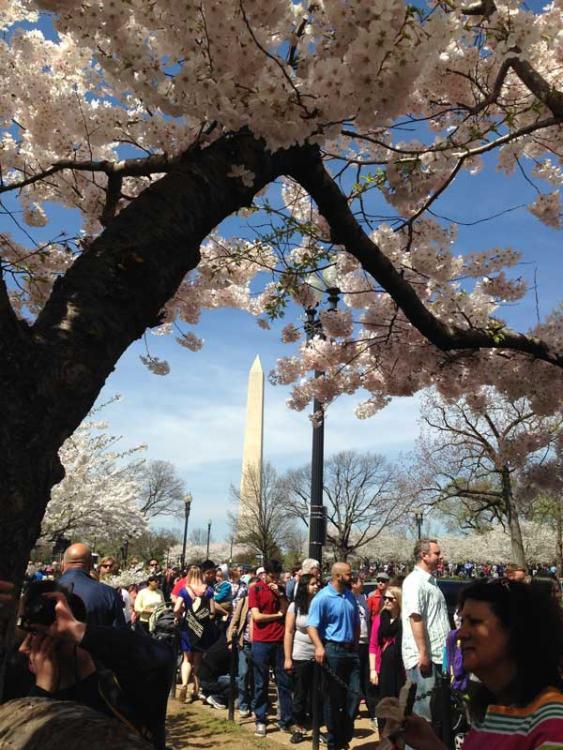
{"x": 77, "y": 556}
{"x": 340, "y": 568}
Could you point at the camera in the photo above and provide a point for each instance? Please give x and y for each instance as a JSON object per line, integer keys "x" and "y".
{"x": 38, "y": 609}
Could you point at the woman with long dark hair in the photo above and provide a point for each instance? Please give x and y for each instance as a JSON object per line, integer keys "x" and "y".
{"x": 299, "y": 652}
{"x": 512, "y": 640}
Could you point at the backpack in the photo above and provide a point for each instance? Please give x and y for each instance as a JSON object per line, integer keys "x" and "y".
{"x": 162, "y": 624}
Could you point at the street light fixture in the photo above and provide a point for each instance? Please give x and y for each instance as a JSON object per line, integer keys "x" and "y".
{"x": 321, "y": 284}
{"x": 419, "y": 518}
{"x": 187, "y": 507}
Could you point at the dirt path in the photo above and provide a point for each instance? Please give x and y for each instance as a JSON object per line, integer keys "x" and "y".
{"x": 200, "y": 726}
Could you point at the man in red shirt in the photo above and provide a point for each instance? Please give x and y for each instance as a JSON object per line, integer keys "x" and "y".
{"x": 375, "y": 599}
{"x": 268, "y": 604}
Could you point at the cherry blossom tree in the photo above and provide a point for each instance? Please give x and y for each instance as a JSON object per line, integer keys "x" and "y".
{"x": 98, "y": 497}
{"x": 156, "y": 121}
{"x": 472, "y": 456}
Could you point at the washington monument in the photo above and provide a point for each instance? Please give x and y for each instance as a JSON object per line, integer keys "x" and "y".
{"x": 251, "y": 479}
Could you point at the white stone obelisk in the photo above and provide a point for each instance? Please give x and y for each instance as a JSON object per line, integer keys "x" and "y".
{"x": 251, "y": 478}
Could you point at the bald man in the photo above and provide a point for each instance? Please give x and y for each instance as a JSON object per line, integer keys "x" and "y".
{"x": 333, "y": 625}
{"x": 104, "y": 605}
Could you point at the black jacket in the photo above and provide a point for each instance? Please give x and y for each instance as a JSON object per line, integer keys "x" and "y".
{"x": 104, "y": 605}
{"x": 131, "y": 683}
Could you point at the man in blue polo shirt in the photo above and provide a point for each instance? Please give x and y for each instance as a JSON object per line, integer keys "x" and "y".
{"x": 333, "y": 626}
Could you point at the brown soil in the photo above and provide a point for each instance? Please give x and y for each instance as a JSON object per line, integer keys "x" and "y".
{"x": 197, "y": 725}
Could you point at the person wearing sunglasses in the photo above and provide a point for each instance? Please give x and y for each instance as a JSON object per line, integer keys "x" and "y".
{"x": 375, "y": 599}
{"x": 512, "y": 640}
{"x": 385, "y": 660}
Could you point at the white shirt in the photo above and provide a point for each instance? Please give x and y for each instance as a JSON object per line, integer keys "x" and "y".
{"x": 421, "y": 596}
{"x": 363, "y": 611}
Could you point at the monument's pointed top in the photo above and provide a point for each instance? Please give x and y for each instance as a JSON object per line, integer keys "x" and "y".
{"x": 256, "y": 365}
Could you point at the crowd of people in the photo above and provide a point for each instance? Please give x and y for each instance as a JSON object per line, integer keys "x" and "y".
{"x": 313, "y": 638}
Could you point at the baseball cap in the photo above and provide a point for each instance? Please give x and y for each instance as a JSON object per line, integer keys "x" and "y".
{"x": 260, "y": 570}
{"x": 382, "y": 576}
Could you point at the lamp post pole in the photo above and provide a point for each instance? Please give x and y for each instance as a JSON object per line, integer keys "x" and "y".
{"x": 187, "y": 507}
{"x": 419, "y": 517}
{"x": 208, "y": 538}
{"x": 317, "y": 518}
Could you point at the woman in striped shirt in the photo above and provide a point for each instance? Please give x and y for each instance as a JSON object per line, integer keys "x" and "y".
{"x": 511, "y": 639}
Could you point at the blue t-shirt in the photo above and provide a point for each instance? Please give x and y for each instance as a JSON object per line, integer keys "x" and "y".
{"x": 334, "y": 615}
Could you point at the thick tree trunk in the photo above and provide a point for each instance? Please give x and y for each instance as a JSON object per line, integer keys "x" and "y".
{"x": 516, "y": 542}
{"x": 52, "y": 372}
{"x": 559, "y": 526}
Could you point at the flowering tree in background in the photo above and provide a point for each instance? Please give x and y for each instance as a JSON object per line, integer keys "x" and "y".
{"x": 473, "y": 453}
{"x": 159, "y": 120}
{"x": 98, "y": 497}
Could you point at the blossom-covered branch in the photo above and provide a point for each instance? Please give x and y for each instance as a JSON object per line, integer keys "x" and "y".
{"x": 346, "y": 231}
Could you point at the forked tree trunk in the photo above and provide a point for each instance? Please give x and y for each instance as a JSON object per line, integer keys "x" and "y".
{"x": 52, "y": 372}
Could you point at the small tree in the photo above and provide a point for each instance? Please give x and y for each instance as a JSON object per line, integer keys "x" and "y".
{"x": 472, "y": 454}
{"x": 162, "y": 490}
{"x": 361, "y": 496}
{"x": 262, "y": 522}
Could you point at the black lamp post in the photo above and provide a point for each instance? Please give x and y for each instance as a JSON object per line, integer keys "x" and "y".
{"x": 208, "y": 538}
{"x": 419, "y": 518}
{"x": 317, "y": 518}
{"x": 187, "y": 507}
{"x": 124, "y": 549}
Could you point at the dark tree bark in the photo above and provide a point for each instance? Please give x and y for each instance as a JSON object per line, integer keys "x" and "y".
{"x": 51, "y": 372}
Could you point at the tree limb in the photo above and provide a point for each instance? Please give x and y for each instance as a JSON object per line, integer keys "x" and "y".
{"x": 311, "y": 174}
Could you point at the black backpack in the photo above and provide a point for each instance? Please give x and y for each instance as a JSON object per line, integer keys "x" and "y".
{"x": 162, "y": 624}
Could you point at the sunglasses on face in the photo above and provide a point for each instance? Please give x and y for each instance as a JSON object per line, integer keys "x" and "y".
{"x": 388, "y": 598}
{"x": 381, "y": 580}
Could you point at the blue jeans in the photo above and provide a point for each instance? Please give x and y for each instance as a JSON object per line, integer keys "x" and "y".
{"x": 264, "y": 656}
{"x": 424, "y": 686}
{"x": 244, "y": 692}
{"x": 342, "y": 704}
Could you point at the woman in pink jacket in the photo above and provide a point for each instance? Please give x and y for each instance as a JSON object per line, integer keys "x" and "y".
{"x": 385, "y": 660}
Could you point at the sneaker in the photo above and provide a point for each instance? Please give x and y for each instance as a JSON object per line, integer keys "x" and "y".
{"x": 182, "y": 692}
{"x": 287, "y": 728}
{"x": 212, "y": 701}
{"x": 244, "y": 713}
{"x": 260, "y": 730}
{"x": 323, "y": 738}
{"x": 297, "y": 736}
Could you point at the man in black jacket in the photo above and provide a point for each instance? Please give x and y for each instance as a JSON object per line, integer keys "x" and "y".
{"x": 104, "y": 605}
{"x": 115, "y": 671}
